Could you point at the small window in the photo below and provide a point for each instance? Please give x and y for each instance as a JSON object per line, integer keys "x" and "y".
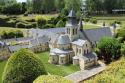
{"x": 73, "y": 31}
{"x": 79, "y": 51}
{"x": 86, "y": 45}
{"x": 62, "y": 61}
{"x": 76, "y": 31}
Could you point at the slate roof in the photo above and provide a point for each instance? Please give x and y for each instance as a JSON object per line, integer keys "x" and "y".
{"x": 40, "y": 40}
{"x": 72, "y": 14}
{"x": 94, "y": 34}
{"x": 63, "y": 39}
{"x": 89, "y": 57}
{"x": 79, "y": 42}
{"x": 17, "y": 47}
{"x": 59, "y": 51}
{"x": 17, "y": 39}
{"x": 97, "y": 34}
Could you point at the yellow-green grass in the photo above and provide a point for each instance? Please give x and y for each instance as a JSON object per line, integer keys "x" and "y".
{"x": 45, "y": 16}
{"x": 2, "y": 65}
{"x": 51, "y": 68}
{"x": 11, "y": 29}
{"x": 56, "y": 69}
{"x": 114, "y": 73}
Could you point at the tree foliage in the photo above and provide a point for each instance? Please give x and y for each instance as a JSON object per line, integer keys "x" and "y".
{"x": 109, "y": 48}
{"x": 22, "y": 67}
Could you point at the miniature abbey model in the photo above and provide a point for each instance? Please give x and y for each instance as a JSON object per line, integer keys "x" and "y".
{"x": 73, "y": 46}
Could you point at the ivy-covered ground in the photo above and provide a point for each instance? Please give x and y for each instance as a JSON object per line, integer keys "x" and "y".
{"x": 115, "y": 73}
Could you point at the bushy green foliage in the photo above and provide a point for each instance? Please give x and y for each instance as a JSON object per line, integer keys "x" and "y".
{"x": 114, "y": 73}
{"x": 49, "y": 26}
{"x": 23, "y": 67}
{"x": 40, "y": 21}
{"x": 14, "y": 8}
{"x": 93, "y": 20}
{"x": 60, "y": 24}
{"x": 51, "y": 79}
{"x": 12, "y": 34}
{"x": 109, "y": 48}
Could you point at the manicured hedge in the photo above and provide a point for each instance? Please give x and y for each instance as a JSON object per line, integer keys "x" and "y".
{"x": 51, "y": 79}
{"x": 23, "y": 67}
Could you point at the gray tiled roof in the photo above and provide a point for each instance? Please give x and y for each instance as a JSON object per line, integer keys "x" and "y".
{"x": 17, "y": 47}
{"x": 63, "y": 39}
{"x": 89, "y": 56}
{"x": 97, "y": 34}
{"x": 92, "y": 34}
{"x": 72, "y": 13}
{"x": 17, "y": 39}
{"x": 79, "y": 42}
{"x": 40, "y": 40}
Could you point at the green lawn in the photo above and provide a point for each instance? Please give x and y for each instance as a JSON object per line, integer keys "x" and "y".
{"x": 52, "y": 69}
{"x": 2, "y": 65}
{"x": 57, "y": 70}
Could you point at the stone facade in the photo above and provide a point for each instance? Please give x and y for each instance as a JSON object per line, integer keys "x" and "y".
{"x": 72, "y": 46}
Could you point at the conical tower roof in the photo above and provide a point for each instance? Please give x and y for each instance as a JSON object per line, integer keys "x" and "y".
{"x": 72, "y": 14}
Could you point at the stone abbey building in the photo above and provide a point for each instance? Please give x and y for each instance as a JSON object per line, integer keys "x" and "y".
{"x": 75, "y": 44}
{"x": 69, "y": 44}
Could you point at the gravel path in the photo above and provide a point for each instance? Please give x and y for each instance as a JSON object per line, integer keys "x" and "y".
{"x": 85, "y": 74}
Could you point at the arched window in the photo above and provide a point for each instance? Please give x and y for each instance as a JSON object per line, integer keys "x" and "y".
{"x": 76, "y": 31}
{"x": 87, "y": 51}
{"x": 79, "y": 51}
{"x": 67, "y": 30}
{"x": 73, "y": 31}
{"x": 84, "y": 51}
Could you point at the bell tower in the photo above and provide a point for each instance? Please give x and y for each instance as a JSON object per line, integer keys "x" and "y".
{"x": 72, "y": 26}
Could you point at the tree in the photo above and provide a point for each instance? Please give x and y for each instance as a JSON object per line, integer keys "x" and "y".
{"x": 73, "y": 4}
{"x": 14, "y": 8}
{"x": 51, "y": 79}
{"x": 109, "y": 48}
{"x": 23, "y": 67}
{"x": 60, "y": 24}
{"x": 60, "y": 4}
{"x": 40, "y": 21}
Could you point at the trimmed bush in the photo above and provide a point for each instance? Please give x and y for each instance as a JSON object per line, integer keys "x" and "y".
{"x": 51, "y": 79}
{"x": 93, "y": 20}
{"x": 21, "y": 25}
{"x": 23, "y": 67}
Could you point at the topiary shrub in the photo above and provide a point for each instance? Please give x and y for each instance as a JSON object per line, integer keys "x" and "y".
{"x": 20, "y": 25}
{"x": 23, "y": 67}
{"x": 51, "y": 79}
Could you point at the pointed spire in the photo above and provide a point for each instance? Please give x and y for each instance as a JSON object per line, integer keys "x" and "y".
{"x": 72, "y": 18}
{"x": 72, "y": 14}
{"x": 81, "y": 25}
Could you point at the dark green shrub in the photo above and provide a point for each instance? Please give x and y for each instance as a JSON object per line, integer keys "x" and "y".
{"x": 51, "y": 79}
{"x": 93, "y": 20}
{"x": 117, "y": 21}
{"x": 48, "y": 26}
{"x": 20, "y": 25}
{"x": 30, "y": 20}
{"x": 23, "y": 67}
{"x": 60, "y": 24}
{"x": 86, "y": 19}
{"x": 26, "y": 14}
